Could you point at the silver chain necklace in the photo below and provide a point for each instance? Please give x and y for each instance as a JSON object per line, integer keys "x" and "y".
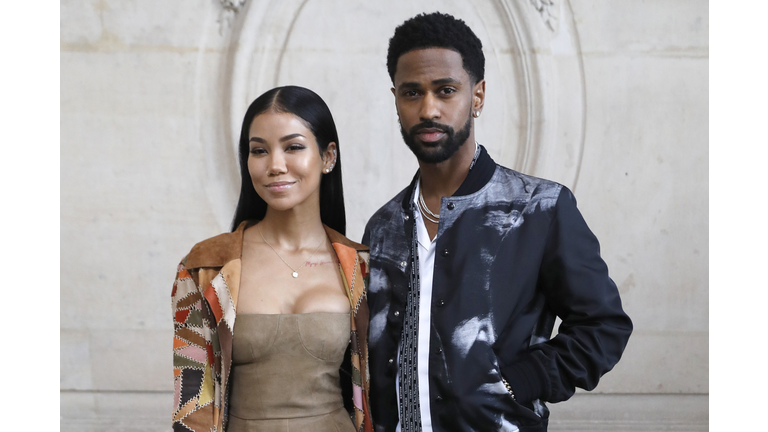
{"x": 295, "y": 271}
{"x": 425, "y": 211}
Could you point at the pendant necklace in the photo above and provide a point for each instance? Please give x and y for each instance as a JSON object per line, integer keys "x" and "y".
{"x": 295, "y": 271}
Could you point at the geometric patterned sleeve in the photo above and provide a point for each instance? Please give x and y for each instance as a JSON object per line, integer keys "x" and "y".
{"x": 194, "y": 390}
{"x": 361, "y": 374}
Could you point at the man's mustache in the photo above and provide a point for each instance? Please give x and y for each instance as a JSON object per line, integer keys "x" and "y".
{"x": 429, "y": 124}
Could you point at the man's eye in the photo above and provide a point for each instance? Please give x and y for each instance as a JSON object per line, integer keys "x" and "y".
{"x": 448, "y": 90}
{"x": 411, "y": 93}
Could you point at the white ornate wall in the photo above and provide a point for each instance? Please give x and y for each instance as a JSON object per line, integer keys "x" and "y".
{"x": 609, "y": 98}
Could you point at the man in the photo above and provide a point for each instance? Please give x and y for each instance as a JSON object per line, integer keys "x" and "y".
{"x": 471, "y": 262}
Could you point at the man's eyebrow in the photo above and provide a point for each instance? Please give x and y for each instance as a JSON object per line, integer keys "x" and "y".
{"x": 448, "y": 80}
{"x": 410, "y": 85}
{"x": 437, "y": 82}
{"x": 285, "y": 138}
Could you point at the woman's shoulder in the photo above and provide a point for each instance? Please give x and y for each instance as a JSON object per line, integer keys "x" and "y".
{"x": 337, "y": 237}
{"x": 217, "y": 250}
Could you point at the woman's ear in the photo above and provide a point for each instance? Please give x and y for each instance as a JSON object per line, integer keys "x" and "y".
{"x": 329, "y": 158}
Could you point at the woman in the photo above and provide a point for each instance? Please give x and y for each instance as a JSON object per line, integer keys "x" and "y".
{"x": 265, "y": 315}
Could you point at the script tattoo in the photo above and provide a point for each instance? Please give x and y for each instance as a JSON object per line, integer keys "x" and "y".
{"x": 315, "y": 264}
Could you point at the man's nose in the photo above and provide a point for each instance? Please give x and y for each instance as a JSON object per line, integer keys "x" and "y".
{"x": 430, "y": 108}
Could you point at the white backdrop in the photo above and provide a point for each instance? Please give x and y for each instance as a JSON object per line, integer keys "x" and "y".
{"x": 609, "y": 98}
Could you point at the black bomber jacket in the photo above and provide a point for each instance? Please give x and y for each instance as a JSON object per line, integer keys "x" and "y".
{"x": 512, "y": 253}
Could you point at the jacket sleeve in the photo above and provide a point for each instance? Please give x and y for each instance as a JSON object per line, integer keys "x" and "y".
{"x": 366, "y": 235}
{"x": 594, "y": 328}
{"x": 191, "y": 352}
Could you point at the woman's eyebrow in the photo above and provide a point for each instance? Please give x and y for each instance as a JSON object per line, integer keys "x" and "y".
{"x": 285, "y": 138}
{"x": 291, "y": 136}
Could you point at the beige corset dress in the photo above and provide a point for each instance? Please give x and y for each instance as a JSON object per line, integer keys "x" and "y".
{"x": 285, "y": 373}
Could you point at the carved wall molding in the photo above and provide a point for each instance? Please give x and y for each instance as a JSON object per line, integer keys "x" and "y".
{"x": 229, "y": 8}
{"x": 548, "y": 10}
{"x": 233, "y": 5}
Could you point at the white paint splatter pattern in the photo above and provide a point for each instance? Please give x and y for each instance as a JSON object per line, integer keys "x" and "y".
{"x": 542, "y": 201}
{"x": 377, "y": 324}
{"x": 541, "y": 194}
{"x": 472, "y": 331}
{"x": 502, "y": 220}
{"x": 493, "y": 388}
{"x": 506, "y": 426}
{"x": 486, "y": 256}
{"x": 376, "y": 280}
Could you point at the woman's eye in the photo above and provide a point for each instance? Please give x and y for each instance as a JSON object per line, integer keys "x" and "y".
{"x": 258, "y": 151}
{"x": 295, "y": 147}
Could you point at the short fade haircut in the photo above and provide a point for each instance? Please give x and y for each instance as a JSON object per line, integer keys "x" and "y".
{"x": 437, "y": 30}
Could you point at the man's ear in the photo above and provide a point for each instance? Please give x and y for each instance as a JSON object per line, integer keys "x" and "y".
{"x": 478, "y": 97}
{"x": 396, "y": 111}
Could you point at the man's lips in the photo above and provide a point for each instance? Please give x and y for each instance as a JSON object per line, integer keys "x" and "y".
{"x": 280, "y": 186}
{"x": 430, "y": 134}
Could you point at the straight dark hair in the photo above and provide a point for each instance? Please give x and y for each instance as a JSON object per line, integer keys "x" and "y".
{"x": 309, "y": 107}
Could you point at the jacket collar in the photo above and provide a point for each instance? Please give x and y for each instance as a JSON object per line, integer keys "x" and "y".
{"x": 219, "y": 250}
{"x": 478, "y": 176}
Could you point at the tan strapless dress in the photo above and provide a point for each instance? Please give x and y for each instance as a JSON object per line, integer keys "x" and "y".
{"x": 285, "y": 373}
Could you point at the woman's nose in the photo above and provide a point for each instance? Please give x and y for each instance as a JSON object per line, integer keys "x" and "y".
{"x": 277, "y": 164}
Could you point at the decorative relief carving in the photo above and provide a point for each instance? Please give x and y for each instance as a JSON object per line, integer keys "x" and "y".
{"x": 548, "y": 10}
{"x": 232, "y": 4}
{"x": 229, "y": 8}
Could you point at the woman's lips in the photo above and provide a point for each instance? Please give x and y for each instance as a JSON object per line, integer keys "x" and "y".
{"x": 280, "y": 186}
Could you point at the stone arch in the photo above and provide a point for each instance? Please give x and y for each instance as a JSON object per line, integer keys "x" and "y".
{"x": 534, "y": 119}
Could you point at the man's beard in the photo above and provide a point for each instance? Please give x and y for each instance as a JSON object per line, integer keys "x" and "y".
{"x": 440, "y": 152}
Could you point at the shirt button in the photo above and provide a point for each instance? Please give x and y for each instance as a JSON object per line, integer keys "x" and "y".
{"x": 441, "y": 302}
{"x": 397, "y": 313}
{"x": 440, "y": 350}
{"x": 445, "y": 252}
{"x": 391, "y": 361}
{"x": 406, "y": 217}
{"x": 439, "y": 398}
{"x": 451, "y": 206}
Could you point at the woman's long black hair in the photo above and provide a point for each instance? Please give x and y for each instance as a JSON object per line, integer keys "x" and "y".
{"x": 308, "y": 106}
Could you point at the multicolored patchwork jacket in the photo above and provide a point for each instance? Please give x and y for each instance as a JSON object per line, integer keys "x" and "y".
{"x": 204, "y": 302}
{"x": 512, "y": 252}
